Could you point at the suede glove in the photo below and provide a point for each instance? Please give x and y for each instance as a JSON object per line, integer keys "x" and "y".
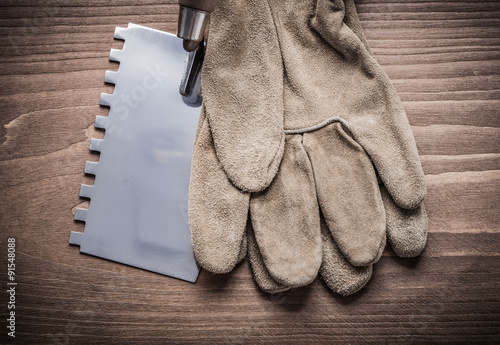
{"x": 294, "y": 86}
{"x": 223, "y": 235}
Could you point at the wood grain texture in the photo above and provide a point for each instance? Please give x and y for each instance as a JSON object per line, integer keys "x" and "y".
{"x": 444, "y": 59}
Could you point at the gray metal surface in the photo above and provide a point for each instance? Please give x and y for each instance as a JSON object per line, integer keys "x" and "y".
{"x": 190, "y": 85}
{"x": 138, "y": 203}
{"x": 191, "y": 24}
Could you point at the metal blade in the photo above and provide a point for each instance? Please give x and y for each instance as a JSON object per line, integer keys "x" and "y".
{"x": 138, "y": 204}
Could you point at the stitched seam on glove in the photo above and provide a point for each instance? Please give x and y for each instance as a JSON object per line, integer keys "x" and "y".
{"x": 322, "y": 124}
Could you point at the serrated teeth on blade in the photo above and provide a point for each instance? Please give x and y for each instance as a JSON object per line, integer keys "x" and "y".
{"x": 101, "y": 121}
{"x": 76, "y": 238}
{"x": 86, "y": 191}
{"x": 81, "y": 214}
{"x": 115, "y": 55}
{"x": 95, "y": 144}
{"x": 106, "y": 99}
{"x": 110, "y": 77}
{"x": 119, "y": 33}
{"x": 91, "y": 167}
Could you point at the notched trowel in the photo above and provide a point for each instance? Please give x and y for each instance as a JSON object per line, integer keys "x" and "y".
{"x": 138, "y": 203}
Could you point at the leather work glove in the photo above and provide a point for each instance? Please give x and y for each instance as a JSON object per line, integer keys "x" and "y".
{"x": 299, "y": 122}
{"x": 221, "y": 232}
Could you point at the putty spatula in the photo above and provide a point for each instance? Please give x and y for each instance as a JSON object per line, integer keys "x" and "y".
{"x": 138, "y": 203}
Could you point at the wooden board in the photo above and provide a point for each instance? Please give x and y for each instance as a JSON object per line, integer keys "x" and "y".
{"x": 444, "y": 59}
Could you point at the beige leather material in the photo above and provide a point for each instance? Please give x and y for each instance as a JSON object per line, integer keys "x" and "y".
{"x": 300, "y": 121}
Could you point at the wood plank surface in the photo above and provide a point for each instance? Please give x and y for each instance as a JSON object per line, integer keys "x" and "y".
{"x": 444, "y": 59}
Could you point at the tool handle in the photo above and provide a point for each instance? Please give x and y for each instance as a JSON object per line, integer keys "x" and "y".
{"x": 202, "y": 5}
{"x": 193, "y": 18}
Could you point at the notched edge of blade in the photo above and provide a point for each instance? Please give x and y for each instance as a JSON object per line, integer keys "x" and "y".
{"x": 76, "y": 238}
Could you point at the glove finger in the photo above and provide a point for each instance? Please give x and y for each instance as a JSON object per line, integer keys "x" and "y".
{"x": 218, "y": 211}
{"x": 348, "y": 193}
{"x": 406, "y": 229}
{"x": 259, "y": 271}
{"x": 338, "y": 274}
{"x": 242, "y": 81}
{"x": 336, "y": 21}
{"x": 285, "y": 219}
{"x": 393, "y": 152}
